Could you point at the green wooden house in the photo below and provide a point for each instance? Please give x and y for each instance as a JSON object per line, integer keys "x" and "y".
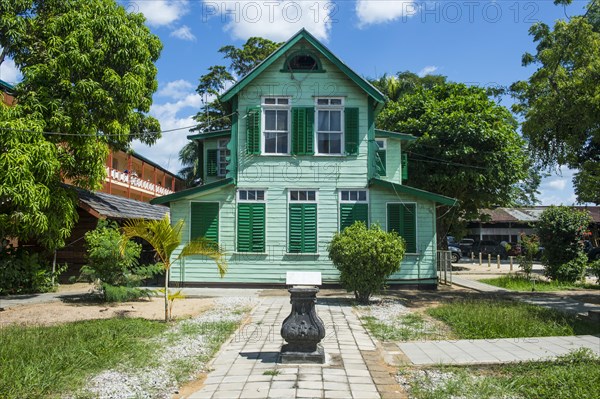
{"x": 301, "y": 161}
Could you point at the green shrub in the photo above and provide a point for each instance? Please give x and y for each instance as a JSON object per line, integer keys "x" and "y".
{"x": 595, "y": 270}
{"x": 561, "y": 230}
{"x": 115, "y": 270}
{"x": 365, "y": 258}
{"x": 530, "y": 245}
{"x": 22, "y": 272}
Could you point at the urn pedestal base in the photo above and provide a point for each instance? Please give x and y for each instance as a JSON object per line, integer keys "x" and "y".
{"x": 303, "y": 329}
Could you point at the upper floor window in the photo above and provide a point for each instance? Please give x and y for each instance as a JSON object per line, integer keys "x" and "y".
{"x": 276, "y": 125}
{"x": 302, "y": 61}
{"x": 381, "y": 157}
{"x": 222, "y": 154}
{"x": 330, "y": 125}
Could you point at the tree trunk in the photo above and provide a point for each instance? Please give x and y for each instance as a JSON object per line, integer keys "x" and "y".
{"x": 167, "y": 315}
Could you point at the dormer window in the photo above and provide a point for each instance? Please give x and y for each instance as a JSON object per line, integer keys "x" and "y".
{"x": 302, "y": 61}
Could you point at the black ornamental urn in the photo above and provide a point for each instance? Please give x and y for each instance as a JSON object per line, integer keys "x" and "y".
{"x": 303, "y": 329}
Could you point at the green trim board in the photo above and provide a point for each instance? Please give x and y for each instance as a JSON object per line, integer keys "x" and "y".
{"x": 324, "y": 51}
{"x": 210, "y": 135}
{"x": 165, "y": 199}
{"x": 401, "y": 188}
{"x": 394, "y": 135}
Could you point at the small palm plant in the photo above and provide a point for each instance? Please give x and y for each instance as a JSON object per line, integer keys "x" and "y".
{"x": 165, "y": 238}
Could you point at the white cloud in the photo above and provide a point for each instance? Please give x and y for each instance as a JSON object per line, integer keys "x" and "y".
{"x": 184, "y": 33}
{"x": 370, "y": 12}
{"x": 557, "y": 188}
{"x": 274, "y": 20}
{"x": 9, "y": 71}
{"x": 428, "y": 70}
{"x": 176, "y": 89}
{"x": 160, "y": 12}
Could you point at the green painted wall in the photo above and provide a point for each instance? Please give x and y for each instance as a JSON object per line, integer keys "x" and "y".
{"x": 394, "y": 169}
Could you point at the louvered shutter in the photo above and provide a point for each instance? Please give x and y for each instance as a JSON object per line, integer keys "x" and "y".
{"x": 211, "y": 162}
{"x": 302, "y": 131}
{"x": 303, "y": 228}
{"x": 381, "y": 162}
{"x": 351, "y": 130}
{"x": 253, "y": 131}
{"x": 205, "y": 220}
{"x": 404, "y": 166}
{"x": 251, "y": 227}
{"x": 402, "y": 218}
{"x": 350, "y": 213}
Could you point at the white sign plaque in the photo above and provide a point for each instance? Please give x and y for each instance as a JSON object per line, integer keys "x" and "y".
{"x": 303, "y": 278}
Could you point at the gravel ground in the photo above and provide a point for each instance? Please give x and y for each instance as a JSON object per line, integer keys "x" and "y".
{"x": 156, "y": 381}
{"x": 384, "y": 310}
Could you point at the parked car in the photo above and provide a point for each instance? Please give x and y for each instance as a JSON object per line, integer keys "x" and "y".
{"x": 514, "y": 250}
{"x": 455, "y": 252}
{"x": 489, "y": 247}
{"x": 466, "y": 246}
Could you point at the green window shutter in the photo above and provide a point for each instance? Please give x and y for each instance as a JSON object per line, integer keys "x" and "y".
{"x": 251, "y": 227}
{"x": 404, "y": 166}
{"x": 205, "y": 220}
{"x": 381, "y": 162}
{"x": 211, "y": 162}
{"x": 302, "y": 131}
{"x": 402, "y": 218}
{"x": 253, "y": 131}
{"x": 303, "y": 228}
{"x": 350, "y": 213}
{"x": 351, "y": 130}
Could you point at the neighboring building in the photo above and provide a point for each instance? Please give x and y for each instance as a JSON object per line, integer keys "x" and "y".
{"x": 7, "y": 93}
{"x": 92, "y": 206}
{"x": 135, "y": 177}
{"x": 302, "y": 161}
{"x": 506, "y": 224}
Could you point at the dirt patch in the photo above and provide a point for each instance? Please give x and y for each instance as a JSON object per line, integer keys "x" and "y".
{"x": 63, "y": 312}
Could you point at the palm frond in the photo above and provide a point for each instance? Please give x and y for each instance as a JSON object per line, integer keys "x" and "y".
{"x": 158, "y": 233}
{"x": 206, "y": 247}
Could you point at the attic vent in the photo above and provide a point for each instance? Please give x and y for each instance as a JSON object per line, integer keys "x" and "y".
{"x": 302, "y": 62}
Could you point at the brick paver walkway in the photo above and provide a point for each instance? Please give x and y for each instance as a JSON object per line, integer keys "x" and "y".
{"x": 482, "y": 351}
{"x": 247, "y": 367}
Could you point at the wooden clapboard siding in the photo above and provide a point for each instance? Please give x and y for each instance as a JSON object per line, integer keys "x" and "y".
{"x": 393, "y": 168}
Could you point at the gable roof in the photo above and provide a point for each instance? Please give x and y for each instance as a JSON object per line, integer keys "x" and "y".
{"x": 114, "y": 207}
{"x": 394, "y": 135}
{"x": 440, "y": 199}
{"x": 303, "y": 34}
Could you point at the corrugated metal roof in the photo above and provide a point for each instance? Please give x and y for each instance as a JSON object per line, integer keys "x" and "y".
{"x": 114, "y": 207}
{"x": 530, "y": 214}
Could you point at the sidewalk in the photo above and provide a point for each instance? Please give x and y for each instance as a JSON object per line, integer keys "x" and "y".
{"x": 487, "y": 351}
{"x": 247, "y": 366}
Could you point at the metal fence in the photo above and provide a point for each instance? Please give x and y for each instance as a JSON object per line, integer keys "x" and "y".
{"x": 444, "y": 267}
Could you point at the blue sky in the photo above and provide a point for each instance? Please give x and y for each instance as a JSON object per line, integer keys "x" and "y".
{"x": 475, "y": 42}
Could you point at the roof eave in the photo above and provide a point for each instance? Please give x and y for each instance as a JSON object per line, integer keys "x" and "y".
{"x": 166, "y": 199}
{"x": 440, "y": 199}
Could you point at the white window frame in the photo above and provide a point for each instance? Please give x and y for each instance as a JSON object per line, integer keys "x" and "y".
{"x": 329, "y": 107}
{"x": 306, "y": 201}
{"x": 222, "y": 159}
{"x": 384, "y": 141}
{"x": 276, "y": 107}
{"x": 349, "y": 201}
{"x": 255, "y": 190}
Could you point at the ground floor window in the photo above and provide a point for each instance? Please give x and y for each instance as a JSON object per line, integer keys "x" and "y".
{"x": 302, "y": 221}
{"x": 251, "y": 221}
{"x": 402, "y": 218}
{"x": 354, "y": 207}
{"x": 204, "y": 220}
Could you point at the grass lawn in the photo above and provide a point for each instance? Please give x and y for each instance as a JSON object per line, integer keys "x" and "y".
{"x": 521, "y": 283}
{"x": 573, "y": 376}
{"x": 408, "y": 327}
{"x": 493, "y": 318}
{"x": 41, "y": 362}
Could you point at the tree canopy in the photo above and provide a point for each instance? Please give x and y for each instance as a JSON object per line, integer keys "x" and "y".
{"x": 88, "y": 79}
{"x": 560, "y": 102}
{"x": 468, "y": 147}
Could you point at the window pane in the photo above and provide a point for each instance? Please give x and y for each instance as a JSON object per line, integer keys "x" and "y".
{"x": 323, "y": 122}
{"x": 380, "y": 143}
{"x": 311, "y": 195}
{"x": 251, "y": 195}
{"x": 243, "y": 195}
{"x": 322, "y": 101}
{"x": 335, "y": 119}
{"x": 270, "y": 119}
{"x": 293, "y": 195}
{"x": 282, "y": 120}
{"x": 270, "y": 142}
{"x": 260, "y": 195}
{"x": 345, "y": 196}
{"x": 283, "y": 101}
{"x": 353, "y": 195}
{"x": 269, "y": 101}
{"x": 362, "y": 195}
{"x": 335, "y": 101}
{"x": 323, "y": 143}
{"x": 302, "y": 195}
{"x": 335, "y": 143}
{"x": 282, "y": 143}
